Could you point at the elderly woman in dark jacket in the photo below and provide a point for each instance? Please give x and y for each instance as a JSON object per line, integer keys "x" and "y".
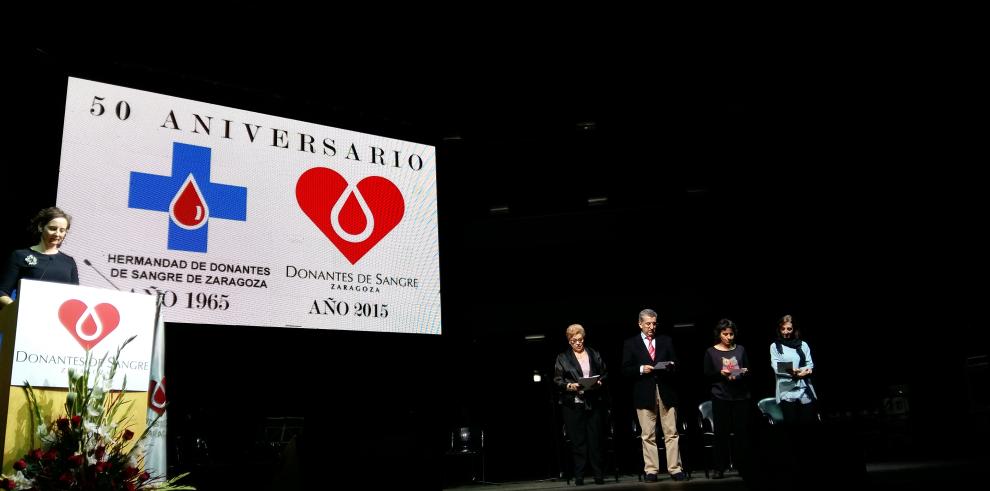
{"x": 579, "y": 375}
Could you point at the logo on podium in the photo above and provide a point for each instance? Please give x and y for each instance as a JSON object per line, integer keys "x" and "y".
{"x": 89, "y": 325}
{"x": 156, "y": 396}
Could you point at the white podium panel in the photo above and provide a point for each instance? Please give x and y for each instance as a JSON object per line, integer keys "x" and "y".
{"x": 57, "y": 323}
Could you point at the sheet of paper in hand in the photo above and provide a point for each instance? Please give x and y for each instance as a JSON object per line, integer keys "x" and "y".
{"x": 588, "y": 382}
{"x": 662, "y": 365}
{"x": 785, "y": 366}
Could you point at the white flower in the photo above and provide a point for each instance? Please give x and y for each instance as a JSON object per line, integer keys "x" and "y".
{"x": 135, "y": 456}
{"x": 22, "y": 482}
{"x": 31, "y": 260}
{"x": 102, "y": 432}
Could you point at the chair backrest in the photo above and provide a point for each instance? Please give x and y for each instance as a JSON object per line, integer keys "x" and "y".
{"x": 278, "y": 430}
{"x": 684, "y": 420}
{"x": 769, "y": 407}
{"x": 467, "y": 439}
{"x": 705, "y": 416}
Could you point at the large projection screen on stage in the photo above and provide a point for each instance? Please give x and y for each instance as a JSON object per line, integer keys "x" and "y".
{"x": 244, "y": 218}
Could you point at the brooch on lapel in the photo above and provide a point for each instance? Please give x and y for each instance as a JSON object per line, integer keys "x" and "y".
{"x": 31, "y": 260}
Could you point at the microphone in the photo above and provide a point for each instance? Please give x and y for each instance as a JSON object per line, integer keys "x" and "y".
{"x": 101, "y": 274}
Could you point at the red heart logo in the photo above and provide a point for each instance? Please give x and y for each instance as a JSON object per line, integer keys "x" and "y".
{"x": 354, "y": 218}
{"x": 88, "y": 325}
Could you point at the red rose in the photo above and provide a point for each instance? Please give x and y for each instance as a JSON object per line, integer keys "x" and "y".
{"x": 20, "y": 465}
{"x": 76, "y": 420}
{"x": 76, "y": 459}
{"x": 128, "y": 434}
{"x": 130, "y": 472}
{"x": 51, "y": 454}
{"x": 130, "y": 486}
{"x": 144, "y": 476}
{"x": 7, "y": 484}
{"x": 66, "y": 477}
{"x": 101, "y": 466}
{"x": 36, "y": 454}
{"x": 63, "y": 424}
{"x": 100, "y": 452}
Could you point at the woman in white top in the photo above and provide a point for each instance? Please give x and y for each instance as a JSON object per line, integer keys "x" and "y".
{"x": 791, "y": 361}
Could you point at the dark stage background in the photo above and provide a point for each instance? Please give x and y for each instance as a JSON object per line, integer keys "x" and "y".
{"x": 843, "y": 186}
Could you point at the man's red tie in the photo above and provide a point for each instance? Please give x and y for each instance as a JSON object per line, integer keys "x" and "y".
{"x": 649, "y": 346}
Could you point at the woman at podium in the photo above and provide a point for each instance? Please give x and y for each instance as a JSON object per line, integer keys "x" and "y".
{"x": 42, "y": 261}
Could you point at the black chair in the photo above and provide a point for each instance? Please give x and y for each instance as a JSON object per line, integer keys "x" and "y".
{"x": 637, "y": 436}
{"x": 771, "y": 410}
{"x": 611, "y": 455}
{"x": 469, "y": 443}
{"x": 567, "y": 458}
{"x": 278, "y": 431}
{"x": 706, "y": 427}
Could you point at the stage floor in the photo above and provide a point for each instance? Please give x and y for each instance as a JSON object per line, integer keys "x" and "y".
{"x": 887, "y": 475}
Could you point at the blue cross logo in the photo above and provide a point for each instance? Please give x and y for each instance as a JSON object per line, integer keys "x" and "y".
{"x": 190, "y": 180}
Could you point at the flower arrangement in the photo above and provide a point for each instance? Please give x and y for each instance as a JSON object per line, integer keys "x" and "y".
{"x": 87, "y": 447}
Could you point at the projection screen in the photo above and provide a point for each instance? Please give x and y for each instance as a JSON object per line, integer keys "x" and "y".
{"x": 243, "y": 218}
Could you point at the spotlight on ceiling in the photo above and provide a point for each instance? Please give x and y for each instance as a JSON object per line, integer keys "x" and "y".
{"x": 587, "y": 125}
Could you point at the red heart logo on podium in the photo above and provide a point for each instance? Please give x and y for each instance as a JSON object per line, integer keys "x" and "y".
{"x": 354, "y": 218}
{"x": 88, "y": 325}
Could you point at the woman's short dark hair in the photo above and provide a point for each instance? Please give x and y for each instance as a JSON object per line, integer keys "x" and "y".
{"x": 44, "y": 216}
{"x": 723, "y": 325}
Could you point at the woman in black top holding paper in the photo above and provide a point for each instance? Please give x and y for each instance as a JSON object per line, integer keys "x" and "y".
{"x": 42, "y": 261}
{"x": 579, "y": 375}
{"x": 726, "y": 367}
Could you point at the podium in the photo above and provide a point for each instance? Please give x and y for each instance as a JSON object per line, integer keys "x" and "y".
{"x": 47, "y": 331}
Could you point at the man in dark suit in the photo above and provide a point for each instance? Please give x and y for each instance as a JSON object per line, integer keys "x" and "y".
{"x": 653, "y": 393}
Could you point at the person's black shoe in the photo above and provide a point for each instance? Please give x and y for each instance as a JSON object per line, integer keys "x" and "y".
{"x": 579, "y": 482}
{"x": 718, "y": 475}
{"x": 599, "y": 480}
{"x": 651, "y": 478}
{"x": 680, "y": 476}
